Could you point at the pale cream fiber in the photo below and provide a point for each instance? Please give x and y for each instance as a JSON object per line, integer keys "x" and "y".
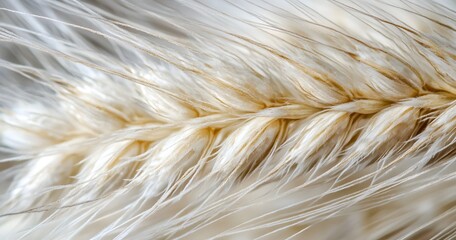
{"x": 291, "y": 119}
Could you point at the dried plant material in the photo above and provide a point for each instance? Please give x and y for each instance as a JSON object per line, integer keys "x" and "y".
{"x": 296, "y": 119}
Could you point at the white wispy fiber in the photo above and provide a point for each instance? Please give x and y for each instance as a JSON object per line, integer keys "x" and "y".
{"x": 227, "y": 119}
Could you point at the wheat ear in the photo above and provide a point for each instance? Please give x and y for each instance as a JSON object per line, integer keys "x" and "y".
{"x": 227, "y": 120}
